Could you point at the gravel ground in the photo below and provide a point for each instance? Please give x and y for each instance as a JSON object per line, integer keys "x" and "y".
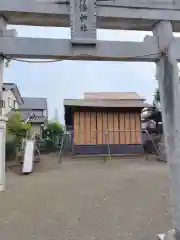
{"x": 86, "y": 200}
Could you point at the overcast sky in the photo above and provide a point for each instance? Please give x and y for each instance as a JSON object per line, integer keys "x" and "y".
{"x": 70, "y": 79}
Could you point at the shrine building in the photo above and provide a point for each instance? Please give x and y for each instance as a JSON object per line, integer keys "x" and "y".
{"x": 103, "y": 121}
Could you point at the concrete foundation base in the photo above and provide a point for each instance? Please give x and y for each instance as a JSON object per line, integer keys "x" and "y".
{"x": 170, "y": 235}
{"x": 2, "y": 188}
{"x": 103, "y": 149}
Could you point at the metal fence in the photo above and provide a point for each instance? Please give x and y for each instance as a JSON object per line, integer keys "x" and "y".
{"x": 131, "y": 141}
{"x": 66, "y": 144}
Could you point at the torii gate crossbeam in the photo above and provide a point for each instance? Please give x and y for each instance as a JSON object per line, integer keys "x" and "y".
{"x": 21, "y": 47}
{"x": 16, "y": 47}
{"x": 116, "y": 14}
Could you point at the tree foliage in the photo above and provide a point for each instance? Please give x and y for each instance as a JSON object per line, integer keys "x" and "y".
{"x": 53, "y": 130}
{"x": 157, "y": 96}
{"x": 16, "y": 127}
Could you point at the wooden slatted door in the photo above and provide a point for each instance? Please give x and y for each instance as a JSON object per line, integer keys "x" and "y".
{"x": 127, "y": 129}
{"x": 133, "y": 127}
{"x": 105, "y": 127}
{"x": 110, "y": 128}
{"x": 99, "y": 128}
{"x": 76, "y": 128}
{"x": 138, "y": 129}
{"x": 116, "y": 128}
{"x": 82, "y": 128}
{"x": 122, "y": 136}
{"x": 87, "y": 128}
{"x": 93, "y": 128}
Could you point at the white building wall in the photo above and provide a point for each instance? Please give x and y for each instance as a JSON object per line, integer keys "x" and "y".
{"x": 10, "y": 101}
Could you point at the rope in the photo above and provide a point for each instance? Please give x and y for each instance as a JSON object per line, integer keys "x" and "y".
{"x": 73, "y": 58}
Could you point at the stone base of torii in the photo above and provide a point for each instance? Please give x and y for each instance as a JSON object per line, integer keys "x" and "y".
{"x": 162, "y": 48}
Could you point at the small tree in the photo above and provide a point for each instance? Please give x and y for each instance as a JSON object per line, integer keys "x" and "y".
{"x": 52, "y": 134}
{"x": 53, "y": 131}
{"x": 17, "y": 128}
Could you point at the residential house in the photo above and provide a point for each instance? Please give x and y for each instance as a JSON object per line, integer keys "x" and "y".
{"x": 103, "y": 122}
{"x": 11, "y": 97}
{"x": 35, "y": 110}
{"x": 152, "y": 120}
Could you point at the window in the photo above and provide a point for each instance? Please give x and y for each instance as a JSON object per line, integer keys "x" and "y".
{"x": 11, "y": 103}
{"x": 44, "y": 113}
{"x": 14, "y": 104}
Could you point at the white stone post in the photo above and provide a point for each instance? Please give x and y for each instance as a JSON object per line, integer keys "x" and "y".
{"x": 2, "y": 28}
{"x": 168, "y": 79}
{"x": 1, "y": 83}
{"x": 2, "y": 119}
{"x": 2, "y": 152}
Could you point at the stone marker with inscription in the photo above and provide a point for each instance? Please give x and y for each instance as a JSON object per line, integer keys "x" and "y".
{"x": 83, "y": 21}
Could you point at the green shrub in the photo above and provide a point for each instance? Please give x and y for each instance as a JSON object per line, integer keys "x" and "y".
{"x": 10, "y": 150}
{"x": 17, "y": 128}
{"x": 50, "y": 146}
{"x": 53, "y": 131}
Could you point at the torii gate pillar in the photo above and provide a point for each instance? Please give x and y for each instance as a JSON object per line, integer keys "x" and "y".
{"x": 168, "y": 79}
{"x": 2, "y": 118}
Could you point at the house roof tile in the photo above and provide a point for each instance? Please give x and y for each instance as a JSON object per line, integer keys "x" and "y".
{"x": 34, "y": 103}
{"x": 105, "y": 103}
{"x": 13, "y": 87}
{"x": 26, "y": 114}
{"x": 113, "y": 95}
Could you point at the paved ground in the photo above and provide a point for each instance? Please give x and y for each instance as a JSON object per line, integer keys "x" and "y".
{"x": 86, "y": 200}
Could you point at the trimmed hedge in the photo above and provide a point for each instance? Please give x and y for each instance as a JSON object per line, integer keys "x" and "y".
{"x": 50, "y": 146}
{"x": 46, "y": 146}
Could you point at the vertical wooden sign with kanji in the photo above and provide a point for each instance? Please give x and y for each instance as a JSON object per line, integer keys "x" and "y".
{"x": 83, "y": 21}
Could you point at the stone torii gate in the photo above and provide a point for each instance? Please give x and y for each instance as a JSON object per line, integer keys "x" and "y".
{"x": 84, "y": 17}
